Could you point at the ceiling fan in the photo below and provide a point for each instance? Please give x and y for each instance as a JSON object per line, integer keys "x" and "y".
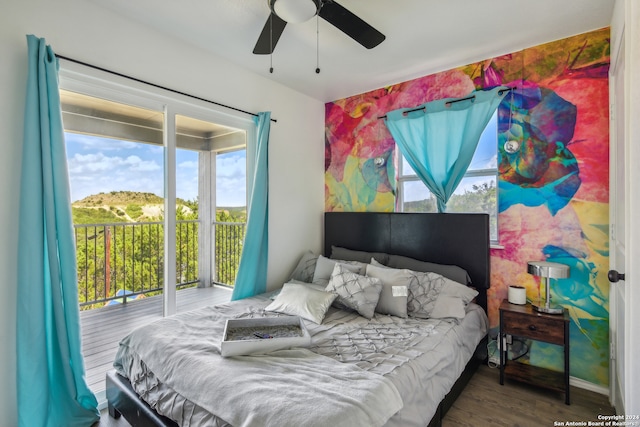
{"x": 296, "y": 11}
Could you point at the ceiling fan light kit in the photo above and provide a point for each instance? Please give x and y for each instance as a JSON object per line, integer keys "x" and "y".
{"x": 294, "y": 11}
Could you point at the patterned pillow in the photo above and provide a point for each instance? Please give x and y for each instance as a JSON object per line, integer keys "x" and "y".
{"x": 305, "y": 268}
{"x": 424, "y": 290}
{"x": 324, "y": 268}
{"x": 360, "y": 293}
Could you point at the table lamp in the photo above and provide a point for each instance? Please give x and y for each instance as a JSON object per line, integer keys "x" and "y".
{"x": 547, "y": 270}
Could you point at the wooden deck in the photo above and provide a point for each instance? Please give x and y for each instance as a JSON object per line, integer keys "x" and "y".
{"x": 103, "y": 328}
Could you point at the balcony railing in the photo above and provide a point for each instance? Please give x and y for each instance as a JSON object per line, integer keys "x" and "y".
{"x": 228, "y": 240}
{"x": 124, "y": 261}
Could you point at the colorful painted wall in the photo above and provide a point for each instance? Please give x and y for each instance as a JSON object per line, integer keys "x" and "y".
{"x": 553, "y": 193}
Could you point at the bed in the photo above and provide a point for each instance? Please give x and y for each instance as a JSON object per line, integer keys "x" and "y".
{"x": 389, "y": 357}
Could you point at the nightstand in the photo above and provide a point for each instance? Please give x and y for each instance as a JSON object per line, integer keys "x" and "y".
{"x": 523, "y": 321}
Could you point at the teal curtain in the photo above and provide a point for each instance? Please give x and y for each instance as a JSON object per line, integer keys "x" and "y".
{"x": 439, "y": 138}
{"x": 52, "y": 390}
{"x": 252, "y": 271}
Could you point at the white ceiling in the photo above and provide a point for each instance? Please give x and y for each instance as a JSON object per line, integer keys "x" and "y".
{"x": 422, "y": 36}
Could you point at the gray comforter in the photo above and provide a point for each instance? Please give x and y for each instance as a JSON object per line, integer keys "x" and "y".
{"x": 356, "y": 372}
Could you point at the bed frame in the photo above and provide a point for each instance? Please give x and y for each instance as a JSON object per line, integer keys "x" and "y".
{"x": 460, "y": 239}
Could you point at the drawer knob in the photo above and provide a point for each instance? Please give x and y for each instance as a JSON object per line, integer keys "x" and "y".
{"x": 532, "y": 327}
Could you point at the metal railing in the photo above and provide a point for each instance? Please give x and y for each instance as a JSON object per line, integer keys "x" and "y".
{"x": 124, "y": 261}
{"x": 228, "y": 240}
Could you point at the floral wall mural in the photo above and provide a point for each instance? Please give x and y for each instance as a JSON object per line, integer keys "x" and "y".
{"x": 553, "y": 192}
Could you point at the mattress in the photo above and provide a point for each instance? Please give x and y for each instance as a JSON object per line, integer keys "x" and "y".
{"x": 422, "y": 358}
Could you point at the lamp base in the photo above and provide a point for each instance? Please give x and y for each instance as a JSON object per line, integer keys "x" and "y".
{"x": 542, "y": 307}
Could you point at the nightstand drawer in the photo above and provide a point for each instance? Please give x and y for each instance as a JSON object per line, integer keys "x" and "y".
{"x": 534, "y": 327}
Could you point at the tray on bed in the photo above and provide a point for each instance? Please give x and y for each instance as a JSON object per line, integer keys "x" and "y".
{"x": 259, "y": 336}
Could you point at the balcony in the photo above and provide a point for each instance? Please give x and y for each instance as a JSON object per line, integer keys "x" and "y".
{"x": 120, "y": 280}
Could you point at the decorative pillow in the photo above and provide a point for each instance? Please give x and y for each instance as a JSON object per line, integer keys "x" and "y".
{"x": 362, "y": 256}
{"x": 455, "y": 289}
{"x": 426, "y": 290}
{"x": 452, "y": 272}
{"x": 316, "y": 286}
{"x": 376, "y": 263}
{"x": 360, "y": 293}
{"x": 395, "y": 290}
{"x": 448, "y": 307}
{"x": 302, "y": 300}
{"x": 305, "y": 268}
{"x": 324, "y": 268}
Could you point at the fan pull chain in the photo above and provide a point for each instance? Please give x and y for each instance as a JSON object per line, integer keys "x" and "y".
{"x": 271, "y": 43}
{"x": 318, "y": 43}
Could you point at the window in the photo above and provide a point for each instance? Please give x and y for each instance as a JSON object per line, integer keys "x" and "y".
{"x": 476, "y": 192}
{"x": 134, "y": 156}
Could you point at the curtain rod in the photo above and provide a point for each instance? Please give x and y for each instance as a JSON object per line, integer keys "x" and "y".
{"x": 404, "y": 113}
{"x": 158, "y": 86}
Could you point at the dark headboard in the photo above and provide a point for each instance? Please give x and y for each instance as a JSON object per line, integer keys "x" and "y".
{"x": 459, "y": 239}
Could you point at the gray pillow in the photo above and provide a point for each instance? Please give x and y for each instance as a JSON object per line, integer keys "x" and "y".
{"x": 448, "y": 307}
{"x": 452, "y": 272}
{"x": 395, "y": 290}
{"x": 454, "y": 289}
{"x": 302, "y": 300}
{"x": 360, "y": 293}
{"x": 324, "y": 268}
{"x": 352, "y": 255}
{"x": 305, "y": 268}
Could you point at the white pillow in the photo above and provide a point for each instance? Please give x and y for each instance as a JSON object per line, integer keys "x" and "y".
{"x": 395, "y": 290}
{"x": 448, "y": 307}
{"x": 376, "y": 263}
{"x": 302, "y": 300}
{"x": 324, "y": 268}
{"x": 355, "y": 291}
{"x": 454, "y": 289}
{"x": 316, "y": 286}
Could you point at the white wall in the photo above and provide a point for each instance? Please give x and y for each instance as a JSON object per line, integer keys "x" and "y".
{"x": 84, "y": 31}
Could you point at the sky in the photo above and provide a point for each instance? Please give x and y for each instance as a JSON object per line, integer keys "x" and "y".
{"x": 103, "y": 165}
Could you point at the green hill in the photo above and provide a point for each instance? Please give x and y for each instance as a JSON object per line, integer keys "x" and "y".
{"x": 119, "y": 198}
{"x": 132, "y": 206}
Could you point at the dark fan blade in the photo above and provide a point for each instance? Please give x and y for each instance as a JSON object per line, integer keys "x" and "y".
{"x": 351, "y": 25}
{"x": 269, "y": 36}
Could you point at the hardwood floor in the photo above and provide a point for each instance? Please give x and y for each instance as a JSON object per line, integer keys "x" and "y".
{"x": 103, "y": 328}
{"x": 484, "y": 402}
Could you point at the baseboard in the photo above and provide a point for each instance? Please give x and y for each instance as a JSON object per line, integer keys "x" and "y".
{"x": 101, "y": 397}
{"x": 586, "y": 385}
